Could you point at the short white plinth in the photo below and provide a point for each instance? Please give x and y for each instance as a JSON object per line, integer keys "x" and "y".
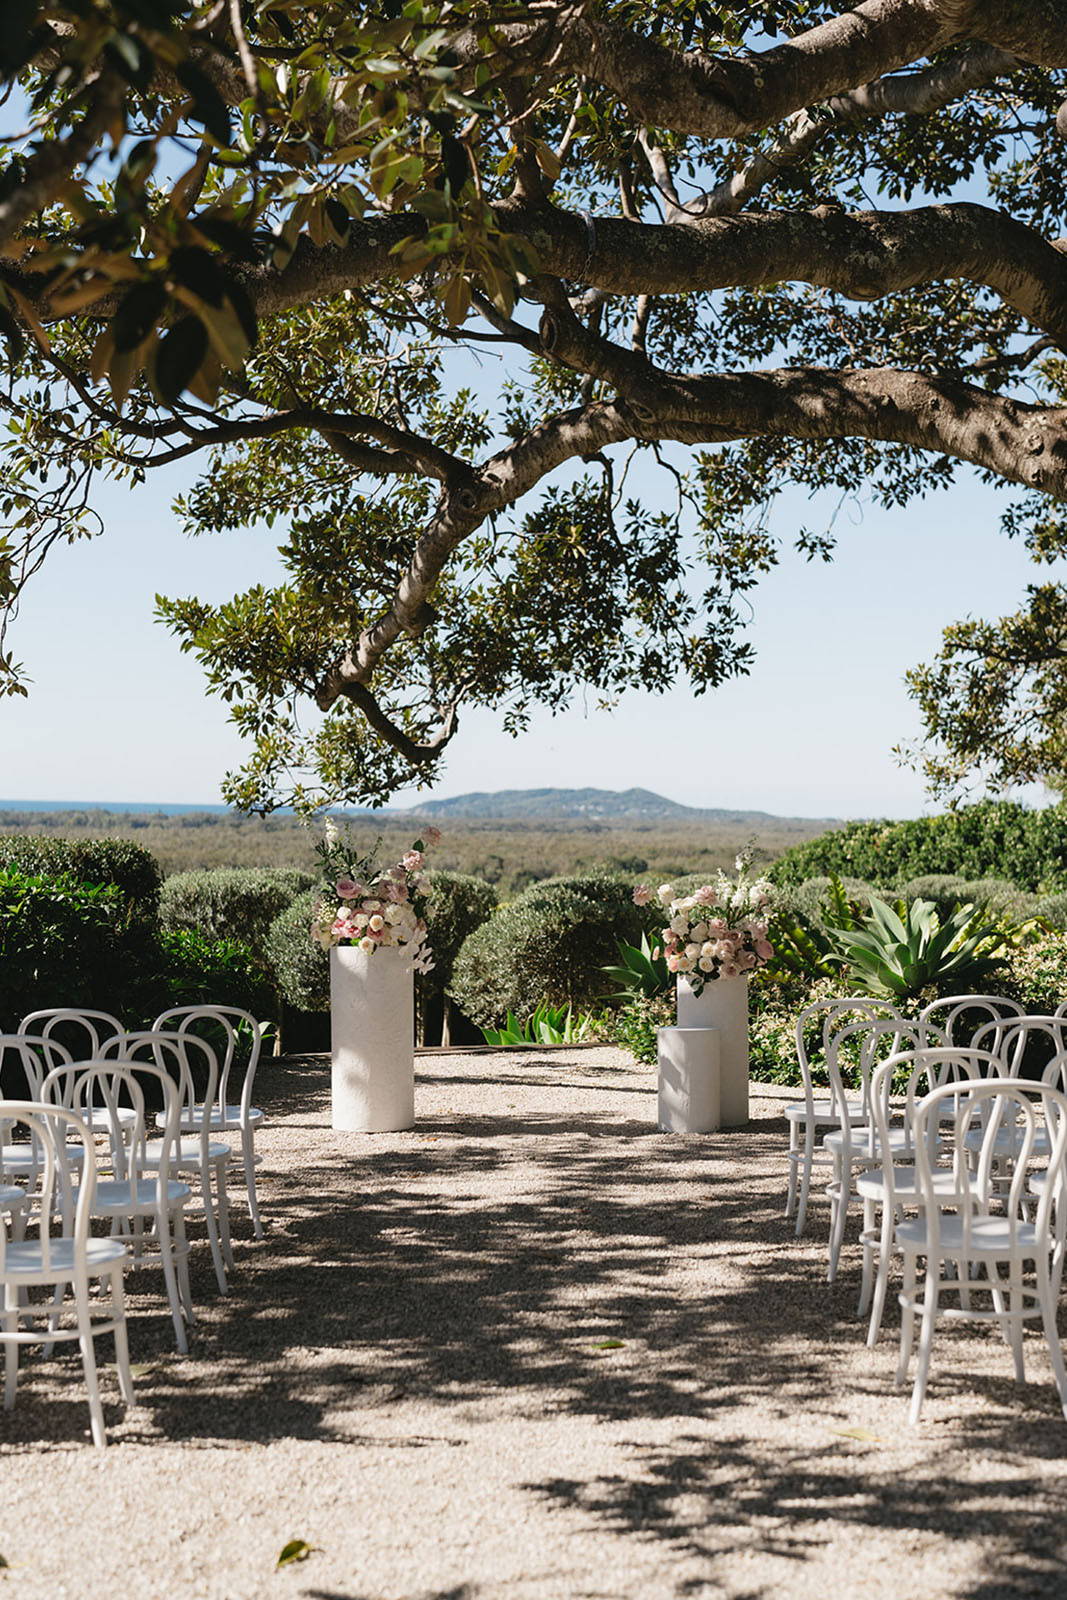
{"x": 722, "y": 1004}
{"x": 372, "y": 1031}
{"x": 688, "y": 1079}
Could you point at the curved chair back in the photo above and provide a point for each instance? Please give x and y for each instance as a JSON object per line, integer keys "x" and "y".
{"x": 832, "y": 1015}
{"x": 61, "y": 1185}
{"x": 960, "y": 1018}
{"x": 1012, "y": 1037}
{"x": 183, "y": 1057}
{"x": 876, "y": 1038}
{"x": 82, "y": 1033}
{"x": 24, "y": 1060}
{"x": 227, "y": 1029}
{"x": 109, "y": 1097}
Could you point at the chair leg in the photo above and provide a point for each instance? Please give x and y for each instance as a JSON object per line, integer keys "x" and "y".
{"x": 11, "y": 1349}
{"x": 248, "y": 1148}
{"x": 881, "y": 1281}
{"x": 182, "y": 1254}
{"x": 122, "y": 1342}
{"x": 869, "y": 1248}
{"x": 54, "y": 1314}
{"x": 907, "y": 1318}
{"x": 1046, "y": 1300}
{"x": 85, "y": 1341}
{"x": 931, "y": 1292}
{"x": 166, "y": 1253}
{"x": 1015, "y": 1319}
{"x": 840, "y": 1217}
{"x": 223, "y": 1192}
{"x": 805, "y": 1176}
{"x": 212, "y": 1229}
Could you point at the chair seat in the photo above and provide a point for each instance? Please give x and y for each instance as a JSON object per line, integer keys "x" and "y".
{"x": 25, "y": 1261}
{"x": 863, "y": 1138}
{"x": 222, "y": 1117}
{"x": 822, "y": 1111}
{"x": 1008, "y": 1141}
{"x": 99, "y": 1119}
{"x": 12, "y": 1198}
{"x": 872, "y": 1185}
{"x": 114, "y": 1197}
{"x": 187, "y": 1153}
{"x": 20, "y": 1157}
{"x": 989, "y": 1236}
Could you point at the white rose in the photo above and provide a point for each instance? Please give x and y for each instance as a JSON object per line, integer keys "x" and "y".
{"x": 666, "y": 892}
{"x": 700, "y": 931}
{"x": 707, "y": 948}
{"x": 361, "y": 919}
{"x": 366, "y": 944}
{"x": 684, "y": 964}
{"x": 394, "y": 914}
{"x": 376, "y": 923}
{"x": 706, "y": 964}
{"x": 692, "y": 951}
{"x": 679, "y": 924}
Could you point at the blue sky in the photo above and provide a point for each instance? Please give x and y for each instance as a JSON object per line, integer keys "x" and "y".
{"x": 117, "y": 713}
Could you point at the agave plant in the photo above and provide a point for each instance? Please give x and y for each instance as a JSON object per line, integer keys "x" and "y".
{"x": 895, "y": 954}
{"x": 643, "y": 971}
{"x": 547, "y": 1025}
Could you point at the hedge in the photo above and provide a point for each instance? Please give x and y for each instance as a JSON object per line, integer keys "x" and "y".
{"x": 61, "y": 944}
{"x": 996, "y": 838}
{"x": 299, "y": 966}
{"x": 547, "y": 944}
{"x": 230, "y": 902}
{"x": 134, "y": 870}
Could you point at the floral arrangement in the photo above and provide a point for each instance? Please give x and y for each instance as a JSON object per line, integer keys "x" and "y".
{"x": 717, "y": 931}
{"x": 373, "y": 907}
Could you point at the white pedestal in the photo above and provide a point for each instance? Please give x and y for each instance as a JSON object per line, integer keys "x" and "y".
{"x": 372, "y": 1031}
{"x": 688, "y": 1079}
{"x": 722, "y": 1004}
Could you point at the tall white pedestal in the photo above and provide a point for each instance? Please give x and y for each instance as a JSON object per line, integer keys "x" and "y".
{"x": 688, "y": 1079}
{"x": 372, "y": 1033}
{"x": 722, "y": 1004}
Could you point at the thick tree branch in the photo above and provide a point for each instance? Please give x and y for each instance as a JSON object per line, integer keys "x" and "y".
{"x": 47, "y": 169}
{"x": 416, "y": 751}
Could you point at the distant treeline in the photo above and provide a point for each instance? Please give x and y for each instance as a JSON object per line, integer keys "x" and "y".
{"x": 509, "y": 855}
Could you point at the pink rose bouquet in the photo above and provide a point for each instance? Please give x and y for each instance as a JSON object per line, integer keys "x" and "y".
{"x": 370, "y": 906}
{"x": 717, "y": 931}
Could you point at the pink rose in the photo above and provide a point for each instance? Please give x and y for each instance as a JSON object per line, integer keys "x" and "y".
{"x": 431, "y": 836}
{"x": 717, "y": 927}
{"x": 764, "y": 949}
{"x": 672, "y": 961}
{"x": 347, "y": 887}
{"x": 412, "y": 860}
{"x": 705, "y": 895}
{"x": 642, "y": 894}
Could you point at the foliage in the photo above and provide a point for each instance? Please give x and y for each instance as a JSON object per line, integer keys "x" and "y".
{"x": 634, "y": 1026}
{"x": 994, "y": 895}
{"x": 134, "y": 870}
{"x": 458, "y": 904}
{"x": 234, "y": 904}
{"x": 254, "y": 237}
{"x": 643, "y": 970}
{"x": 61, "y": 943}
{"x": 545, "y": 1025}
{"x": 899, "y": 954}
{"x": 1037, "y": 974}
{"x": 994, "y": 837}
{"x": 299, "y": 966}
{"x": 201, "y": 970}
{"x": 549, "y": 944}
{"x": 1052, "y": 909}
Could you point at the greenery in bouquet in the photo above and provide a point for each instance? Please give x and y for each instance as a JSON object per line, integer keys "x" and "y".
{"x": 719, "y": 930}
{"x": 370, "y": 906}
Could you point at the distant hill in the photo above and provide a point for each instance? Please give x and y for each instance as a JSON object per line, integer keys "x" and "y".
{"x": 579, "y": 805}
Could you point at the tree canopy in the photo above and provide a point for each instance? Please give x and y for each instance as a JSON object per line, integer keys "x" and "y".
{"x": 419, "y": 283}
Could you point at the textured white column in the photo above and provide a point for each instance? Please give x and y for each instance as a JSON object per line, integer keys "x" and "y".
{"x": 722, "y": 1004}
{"x": 688, "y": 1079}
{"x": 372, "y": 1030}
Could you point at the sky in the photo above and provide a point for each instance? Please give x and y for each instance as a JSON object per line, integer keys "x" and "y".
{"x": 116, "y": 712}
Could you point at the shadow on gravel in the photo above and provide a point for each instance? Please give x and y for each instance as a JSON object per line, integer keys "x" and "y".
{"x": 491, "y": 1257}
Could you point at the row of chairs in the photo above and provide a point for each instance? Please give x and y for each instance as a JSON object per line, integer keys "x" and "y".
{"x": 955, "y": 1157}
{"x": 116, "y": 1129}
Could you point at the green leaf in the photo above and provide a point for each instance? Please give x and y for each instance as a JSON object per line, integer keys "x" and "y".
{"x": 178, "y": 358}
{"x": 209, "y": 108}
{"x": 138, "y": 312}
{"x": 295, "y": 1550}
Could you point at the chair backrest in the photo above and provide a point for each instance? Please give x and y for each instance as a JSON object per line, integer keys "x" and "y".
{"x": 876, "y": 1038}
{"x": 966, "y": 1120}
{"x": 830, "y": 1015}
{"x": 184, "y": 1057}
{"x": 62, "y": 1188}
{"x": 82, "y": 1033}
{"x": 30, "y": 1056}
{"x": 959, "y": 1018}
{"x": 227, "y": 1029}
{"x": 1011, "y": 1037}
{"x": 109, "y": 1097}
{"x": 928, "y": 1068}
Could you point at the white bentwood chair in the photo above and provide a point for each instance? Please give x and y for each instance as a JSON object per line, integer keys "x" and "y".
{"x": 62, "y": 1255}
{"x": 958, "y": 1231}
{"x": 814, "y": 1114}
{"x": 239, "y": 1115}
{"x": 136, "y": 1190}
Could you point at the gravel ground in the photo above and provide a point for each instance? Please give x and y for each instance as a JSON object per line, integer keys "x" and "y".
{"x": 412, "y": 1374}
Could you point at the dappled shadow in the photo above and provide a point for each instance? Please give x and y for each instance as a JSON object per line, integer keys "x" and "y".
{"x": 590, "y": 1267}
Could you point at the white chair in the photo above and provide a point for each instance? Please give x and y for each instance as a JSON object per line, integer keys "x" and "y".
{"x": 136, "y": 1189}
{"x": 954, "y": 1230}
{"x": 81, "y": 1033}
{"x": 959, "y": 1019}
{"x": 853, "y": 1145}
{"x": 891, "y": 1189}
{"x": 178, "y": 1054}
{"x": 25, "y": 1058}
{"x": 229, "y": 1116}
{"x": 808, "y": 1117}
{"x": 63, "y": 1254}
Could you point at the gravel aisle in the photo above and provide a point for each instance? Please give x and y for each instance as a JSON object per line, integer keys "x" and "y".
{"x": 412, "y": 1374}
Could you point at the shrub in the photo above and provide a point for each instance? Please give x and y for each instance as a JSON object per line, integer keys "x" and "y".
{"x": 61, "y": 943}
{"x": 1053, "y": 909}
{"x": 198, "y": 971}
{"x": 994, "y": 837}
{"x": 134, "y": 871}
{"x": 1037, "y": 975}
{"x": 548, "y": 944}
{"x": 810, "y": 897}
{"x": 299, "y": 965}
{"x": 458, "y": 905}
{"x": 633, "y": 1027}
{"x": 230, "y": 902}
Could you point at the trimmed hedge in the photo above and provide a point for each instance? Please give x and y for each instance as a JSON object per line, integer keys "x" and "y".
{"x": 300, "y": 967}
{"x": 1053, "y": 907}
{"x": 995, "y": 895}
{"x": 199, "y": 971}
{"x": 547, "y": 944}
{"x": 134, "y": 870}
{"x": 61, "y": 943}
{"x": 458, "y": 905}
{"x": 230, "y": 902}
{"x": 995, "y": 838}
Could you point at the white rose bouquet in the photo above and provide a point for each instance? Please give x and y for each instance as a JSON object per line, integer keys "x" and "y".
{"x": 371, "y": 907}
{"x": 717, "y": 931}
